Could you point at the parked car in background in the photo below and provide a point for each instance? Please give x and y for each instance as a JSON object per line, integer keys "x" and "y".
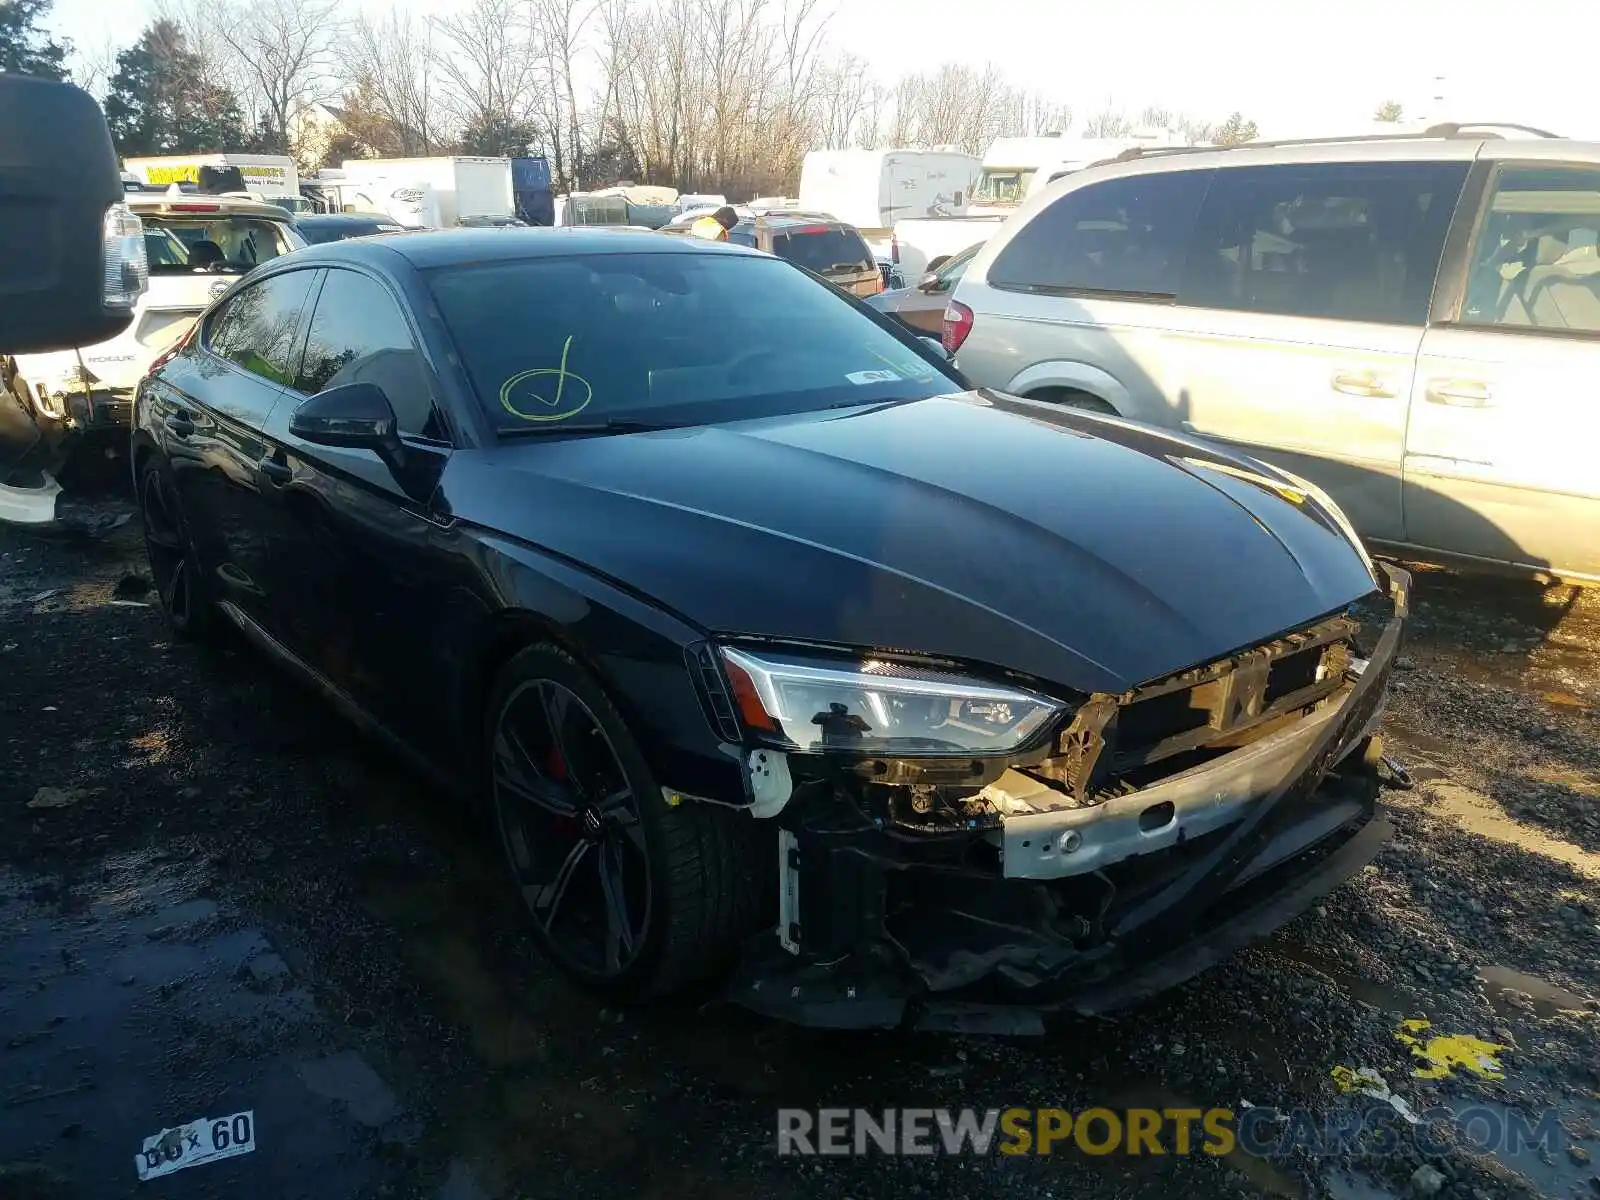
{"x": 333, "y": 227}
{"x": 1405, "y": 321}
{"x": 921, "y": 306}
{"x": 923, "y": 244}
{"x": 492, "y": 223}
{"x": 764, "y": 637}
{"x": 197, "y": 247}
{"x": 827, "y": 247}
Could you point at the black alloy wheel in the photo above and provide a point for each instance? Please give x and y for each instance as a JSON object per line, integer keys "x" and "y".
{"x": 573, "y": 831}
{"x": 174, "y": 566}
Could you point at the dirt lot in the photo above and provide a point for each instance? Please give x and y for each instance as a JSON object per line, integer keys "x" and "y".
{"x": 229, "y": 902}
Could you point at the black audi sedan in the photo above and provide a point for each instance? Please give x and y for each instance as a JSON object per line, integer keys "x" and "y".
{"x": 765, "y": 643}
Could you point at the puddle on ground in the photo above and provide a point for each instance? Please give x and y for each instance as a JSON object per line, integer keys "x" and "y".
{"x": 1383, "y": 996}
{"x": 1346, "y": 1185}
{"x": 1548, "y": 999}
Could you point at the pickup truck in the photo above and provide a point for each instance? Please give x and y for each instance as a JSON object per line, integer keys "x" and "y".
{"x": 921, "y": 244}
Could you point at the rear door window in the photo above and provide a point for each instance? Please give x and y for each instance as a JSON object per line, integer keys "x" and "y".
{"x": 1346, "y": 241}
{"x": 258, "y": 328}
{"x": 824, "y": 249}
{"x": 1124, "y": 236}
{"x": 1536, "y": 261}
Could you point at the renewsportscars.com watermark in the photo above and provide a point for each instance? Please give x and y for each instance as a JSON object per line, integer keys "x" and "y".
{"x": 1262, "y": 1132}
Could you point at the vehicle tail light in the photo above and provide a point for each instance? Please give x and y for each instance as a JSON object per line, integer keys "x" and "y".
{"x": 191, "y": 207}
{"x": 957, "y": 325}
{"x": 127, "y": 270}
{"x": 173, "y": 350}
{"x": 894, "y": 250}
{"x": 811, "y": 229}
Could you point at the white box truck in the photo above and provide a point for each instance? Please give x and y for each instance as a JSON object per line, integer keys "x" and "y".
{"x": 271, "y": 177}
{"x": 463, "y": 188}
{"x": 872, "y": 189}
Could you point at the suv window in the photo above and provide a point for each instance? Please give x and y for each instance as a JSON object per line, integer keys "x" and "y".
{"x": 823, "y": 249}
{"x": 1348, "y": 241}
{"x": 358, "y": 335}
{"x": 1125, "y": 235}
{"x": 257, "y": 329}
{"x": 1536, "y": 262}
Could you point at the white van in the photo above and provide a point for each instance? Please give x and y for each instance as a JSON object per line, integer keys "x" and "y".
{"x": 1411, "y": 323}
{"x": 872, "y": 189}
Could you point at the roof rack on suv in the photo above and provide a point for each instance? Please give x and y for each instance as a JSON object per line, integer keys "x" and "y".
{"x": 1447, "y": 129}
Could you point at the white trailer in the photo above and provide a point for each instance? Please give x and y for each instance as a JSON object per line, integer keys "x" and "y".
{"x": 271, "y": 177}
{"x": 461, "y": 186}
{"x": 872, "y": 189}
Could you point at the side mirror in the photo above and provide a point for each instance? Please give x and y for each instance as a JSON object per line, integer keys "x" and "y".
{"x": 357, "y": 416}
{"x": 72, "y": 258}
{"x": 937, "y": 346}
{"x": 929, "y": 282}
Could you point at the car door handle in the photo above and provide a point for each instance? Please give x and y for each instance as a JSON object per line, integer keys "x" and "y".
{"x": 1459, "y": 393}
{"x": 1363, "y": 383}
{"x": 276, "y": 470}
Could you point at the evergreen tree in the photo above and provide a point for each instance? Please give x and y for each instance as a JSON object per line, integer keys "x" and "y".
{"x": 25, "y": 47}
{"x": 160, "y": 103}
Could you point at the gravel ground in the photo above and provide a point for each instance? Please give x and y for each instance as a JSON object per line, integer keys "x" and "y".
{"x": 230, "y": 902}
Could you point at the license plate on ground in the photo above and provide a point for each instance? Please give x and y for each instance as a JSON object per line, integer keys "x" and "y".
{"x": 197, "y": 1142}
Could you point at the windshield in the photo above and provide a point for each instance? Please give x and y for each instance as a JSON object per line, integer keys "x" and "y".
{"x": 1002, "y": 185}
{"x": 954, "y": 268}
{"x": 824, "y": 249}
{"x": 221, "y": 245}
{"x": 669, "y": 339}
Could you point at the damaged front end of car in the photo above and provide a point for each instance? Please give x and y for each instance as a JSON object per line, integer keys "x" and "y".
{"x": 963, "y": 855}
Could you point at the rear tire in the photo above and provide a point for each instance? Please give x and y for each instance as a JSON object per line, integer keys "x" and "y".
{"x": 580, "y": 805}
{"x": 1072, "y": 398}
{"x": 175, "y": 570}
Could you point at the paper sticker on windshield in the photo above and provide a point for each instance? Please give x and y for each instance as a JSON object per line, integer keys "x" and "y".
{"x": 863, "y": 377}
{"x": 546, "y": 393}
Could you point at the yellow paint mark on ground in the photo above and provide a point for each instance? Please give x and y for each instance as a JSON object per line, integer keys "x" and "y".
{"x": 1441, "y": 1054}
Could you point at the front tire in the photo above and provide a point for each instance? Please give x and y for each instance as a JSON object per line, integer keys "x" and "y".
{"x": 175, "y": 570}
{"x": 629, "y": 897}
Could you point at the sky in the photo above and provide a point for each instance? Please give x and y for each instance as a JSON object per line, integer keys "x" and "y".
{"x": 1297, "y": 69}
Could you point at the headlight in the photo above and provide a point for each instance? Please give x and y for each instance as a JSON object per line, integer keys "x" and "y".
{"x": 879, "y": 707}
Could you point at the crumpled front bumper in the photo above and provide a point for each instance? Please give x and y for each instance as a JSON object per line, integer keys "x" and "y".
{"x": 1299, "y": 819}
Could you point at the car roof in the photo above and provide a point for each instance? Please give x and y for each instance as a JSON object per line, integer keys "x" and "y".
{"x": 164, "y": 203}
{"x": 342, "y": 218}
{"x": 790, "y": 217}
{"x": 449, "y": 247}
{"x": 1415, "y": 147}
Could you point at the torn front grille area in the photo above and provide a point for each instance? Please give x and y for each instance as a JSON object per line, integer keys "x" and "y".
{"x": 1120, "y": 743}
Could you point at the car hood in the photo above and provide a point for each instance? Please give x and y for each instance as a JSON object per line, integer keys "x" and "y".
{"x": 1086, "y": 551}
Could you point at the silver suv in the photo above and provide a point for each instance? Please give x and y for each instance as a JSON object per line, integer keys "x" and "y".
{"x": 1411, "y": 322}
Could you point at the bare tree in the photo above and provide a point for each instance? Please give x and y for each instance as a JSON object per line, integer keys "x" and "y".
{"x": 1108, "y": 123}
{"x": 490, "y": 67}
{"x": 391, "y": 62}
{"x": 847, "y": 104}
{"x": 558, "y": 29}
{"x": 1235, "y": 131}
{"x": 93, "y": 67}
{"x": 283, "y": 49}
